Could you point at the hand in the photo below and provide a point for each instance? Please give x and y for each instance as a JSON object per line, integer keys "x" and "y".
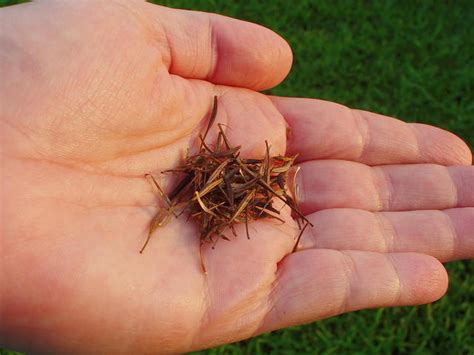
{"x": 101, "y": 93}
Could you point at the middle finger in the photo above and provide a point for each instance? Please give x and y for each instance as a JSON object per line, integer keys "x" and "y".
{"x": 343, "y": 184}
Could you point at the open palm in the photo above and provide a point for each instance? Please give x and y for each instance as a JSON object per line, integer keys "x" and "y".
{"x": 95, "y": 95}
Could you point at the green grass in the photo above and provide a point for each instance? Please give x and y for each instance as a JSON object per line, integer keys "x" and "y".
{"x": 408, "y": 59}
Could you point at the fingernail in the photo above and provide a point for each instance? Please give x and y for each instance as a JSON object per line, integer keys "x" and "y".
{"x": 299, "y": 186}
{"x": 295, "y": 183}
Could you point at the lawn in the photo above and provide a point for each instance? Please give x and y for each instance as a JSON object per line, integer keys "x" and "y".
{"x": 408, "y": 59}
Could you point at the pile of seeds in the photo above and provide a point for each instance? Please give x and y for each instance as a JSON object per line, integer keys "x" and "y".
{"x": 219, "y": 189}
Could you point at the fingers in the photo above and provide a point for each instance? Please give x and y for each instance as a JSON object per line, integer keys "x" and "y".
{"x": 446, "y": 235}
{"x": 326, "y": 130}
{"x": 315, "y": 284}
{"x": 341, "y": 184}
{"x": 221, "y": 49}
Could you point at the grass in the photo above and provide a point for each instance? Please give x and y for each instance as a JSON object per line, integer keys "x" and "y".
{"x": 407, "y": 59}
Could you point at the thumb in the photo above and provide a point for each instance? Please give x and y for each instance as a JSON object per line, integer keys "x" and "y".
{"x": 220, "y": 49}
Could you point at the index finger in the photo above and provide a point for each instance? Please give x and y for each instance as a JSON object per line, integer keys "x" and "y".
{"x": 326, "y": 130}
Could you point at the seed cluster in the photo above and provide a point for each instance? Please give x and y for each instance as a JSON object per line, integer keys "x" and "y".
{"x": 220, "y": 189}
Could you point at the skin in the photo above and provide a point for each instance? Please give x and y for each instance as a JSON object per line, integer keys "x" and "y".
{"x": 100, "y": 93}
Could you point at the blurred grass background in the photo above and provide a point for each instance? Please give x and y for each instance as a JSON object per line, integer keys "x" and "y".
{"x": 408, "y": 59}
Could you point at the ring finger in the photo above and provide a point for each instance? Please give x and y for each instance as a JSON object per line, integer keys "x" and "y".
{"x": 446, "y": 235}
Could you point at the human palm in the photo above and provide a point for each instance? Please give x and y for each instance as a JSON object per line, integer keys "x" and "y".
{"x": 98, "y": 94}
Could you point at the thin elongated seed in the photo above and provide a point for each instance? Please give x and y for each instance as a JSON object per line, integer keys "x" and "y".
{"x": 218, "y": 170}
{"x": 252, "y": 161}
{"x": 212, "y": 118}
{"x": 204, "y": 145}
{"x": 203, "y": 206}
{"x": 266, "y": 169}
{"x": 218, "y": 143}
{"x": 160, "y": 190}
{"x": 183, "y": 184}
{"x": 247, "y": 223}
{"x": 229, "y": 191}
{"x": 243, "y": 204}
{"x": 236, "y": 188}
{"x": 159, "y": 220}
{"x": 224, "y": 193}
{"x": 299, "y": 237}
{"x": 203, "y": 266}
{"x": 267, "y": 213}
{"x": 264, "y": 208}
{"x": 226, "y": 142}
{"x": 283, "y": 168}
{"x": 209, "y": 187}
